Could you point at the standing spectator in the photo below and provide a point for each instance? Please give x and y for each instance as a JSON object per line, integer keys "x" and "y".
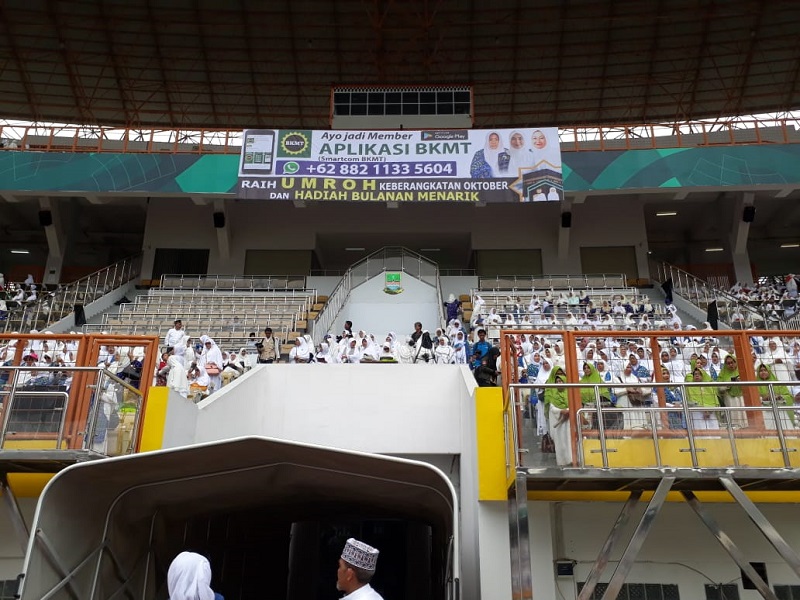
{"x": 417, "y": 332}
{"x": 268, "y": 349}
{"x": 453, "y": 305}
{"x": 482, "y": 345}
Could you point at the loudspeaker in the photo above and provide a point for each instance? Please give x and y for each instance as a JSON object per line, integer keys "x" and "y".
{"x": 219, "y": 220}
{"x": 566, "y": 220}
{"x": 749, "y": 214}
{"x": 45, "y": 218}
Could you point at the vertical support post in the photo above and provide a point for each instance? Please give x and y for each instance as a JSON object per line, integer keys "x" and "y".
{"x": 14, "y": 512}
{"x": 728, "y": 544}
{"x": 521, "y": 578}
{"x": 605, "y": 552}
{"x": 763, "y": 524}
{"x": 637, "y": 540}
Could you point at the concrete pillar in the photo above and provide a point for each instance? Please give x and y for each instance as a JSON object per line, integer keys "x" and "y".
{"x": 223, "y": 233}
{"x": 738, "y": 238}
{"x": 563, "y": 232}
{"x": 50, "y": 219}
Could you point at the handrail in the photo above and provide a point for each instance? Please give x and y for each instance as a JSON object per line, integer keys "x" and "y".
{"x": 55, "y": 137}
{"x": 225, "y": 283}
{"x": 701, "y": 294}
{"x": 54, "y": 306}
{"x": 654, "y": 431}
{"x": 552, "y": 282}
{"x": 14, "y": 390}
{"x": 389, "y": 258}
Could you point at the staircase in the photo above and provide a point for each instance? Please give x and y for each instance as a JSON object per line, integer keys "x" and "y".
{"x": 391, "y": 259}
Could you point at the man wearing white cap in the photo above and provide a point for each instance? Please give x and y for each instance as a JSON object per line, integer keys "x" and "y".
{"x": 356, "y": 568}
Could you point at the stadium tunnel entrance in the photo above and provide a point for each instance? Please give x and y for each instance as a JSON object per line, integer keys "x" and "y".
{"x": 271, "y": 516}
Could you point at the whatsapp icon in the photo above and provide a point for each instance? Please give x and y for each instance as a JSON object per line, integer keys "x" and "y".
{"x": 290, "y": 168}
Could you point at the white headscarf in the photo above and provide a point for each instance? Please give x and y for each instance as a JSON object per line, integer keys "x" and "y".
{"x": 520, "y": 157}
{"x": 548, "y": 157}
{"x": 491, "y": 156}
{"x": 189, "y": 578}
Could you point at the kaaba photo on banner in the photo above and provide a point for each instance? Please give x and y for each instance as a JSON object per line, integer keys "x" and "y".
{"x": 542, "y": 185}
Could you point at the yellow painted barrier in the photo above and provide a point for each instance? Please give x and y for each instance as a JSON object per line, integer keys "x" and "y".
{"x": 152, "y": 437}
{"x": 712, "y": 452}
{"x": 491, "y": 442}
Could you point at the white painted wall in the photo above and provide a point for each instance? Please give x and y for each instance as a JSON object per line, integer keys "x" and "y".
{"x": 373, "y": 310}
{"x": 606, "y": 221}
{"x": 457, "y": 285}
{"x": 323, "y": 284}
{"x": 679, "y": 549}
{"x": 356, "y": 407}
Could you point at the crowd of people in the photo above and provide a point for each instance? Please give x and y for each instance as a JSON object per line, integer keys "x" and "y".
{"x": 775, "y": 299}
{"x": 686, "y": 356}
{"x": 574, "y": 310}
{"x": 27, "y": 300}
{"x": 46, "y": 365}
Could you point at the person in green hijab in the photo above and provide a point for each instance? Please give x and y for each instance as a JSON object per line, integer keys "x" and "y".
{"x": 702, "y": 396}
{"x": 781, "y": 395}
{"x": 731, "y": 395}
{"x": 557, "y": 409}
{"x": 588, "y": 397}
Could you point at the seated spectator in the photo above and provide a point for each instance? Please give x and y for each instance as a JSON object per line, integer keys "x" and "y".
{"x": 444, "y": 354}
{"x": 198, "y": 381}
{"x": 387, "y": 354}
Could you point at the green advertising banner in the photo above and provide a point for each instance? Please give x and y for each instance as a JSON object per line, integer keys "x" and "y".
{"x": 153, "y": 174}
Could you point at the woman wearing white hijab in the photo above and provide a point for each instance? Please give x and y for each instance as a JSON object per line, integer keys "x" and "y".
{"x": 519, "y": 154}
{"x": 176, "y": 378}
{"x": 212, "y": 355}
{"x": 444, "y": 353}
{"x": 454, "y": 328}
{"x": 300, "y": 353}
{"x": 352, "y": 353}
{"x": 189, "y": 578}
{"x": 491, "y": 161}
{"x": 460, "y": 347}
{"x": 546, "y": 152}
{"x": 405, "y": 351}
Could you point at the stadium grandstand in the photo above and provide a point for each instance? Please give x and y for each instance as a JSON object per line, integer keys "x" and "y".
{"x": 508, "y": 292}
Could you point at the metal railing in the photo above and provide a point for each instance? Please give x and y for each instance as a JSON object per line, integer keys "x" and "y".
{"x": 512, "y": 283}
{"x": 227, "y": 283}
{"x": 732, "y": 312}
{"x": 656, "y": 428}
{"x": 389, "y": 259}
{"x": 54, "y": 137}
{"x": 54, "y": 306}
{"x": 115, "y": 411}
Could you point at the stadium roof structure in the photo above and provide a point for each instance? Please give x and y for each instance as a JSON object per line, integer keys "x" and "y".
{"x": 248, "y": 63}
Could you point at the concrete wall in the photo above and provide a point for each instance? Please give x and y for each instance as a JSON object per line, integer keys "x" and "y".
{"x": 355, "y": 407}
{"x": 373, "y": 310}
{"x": 179, "y": 223}
{"x": 678, "y": 550}
{"x": 346, "y": 406}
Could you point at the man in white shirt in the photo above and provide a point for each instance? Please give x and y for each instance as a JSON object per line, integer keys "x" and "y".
{"x": 176, "y": 336}
{"x": 356, "y": 568}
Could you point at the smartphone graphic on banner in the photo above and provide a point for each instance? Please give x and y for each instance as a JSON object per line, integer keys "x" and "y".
{"x": 258, "y": 156}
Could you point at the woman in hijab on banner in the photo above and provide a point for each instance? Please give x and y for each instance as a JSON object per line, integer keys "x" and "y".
{"x": 492, "y": 161}
{"x": 546, "y": 152}
{"x": 519, "y": 154}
